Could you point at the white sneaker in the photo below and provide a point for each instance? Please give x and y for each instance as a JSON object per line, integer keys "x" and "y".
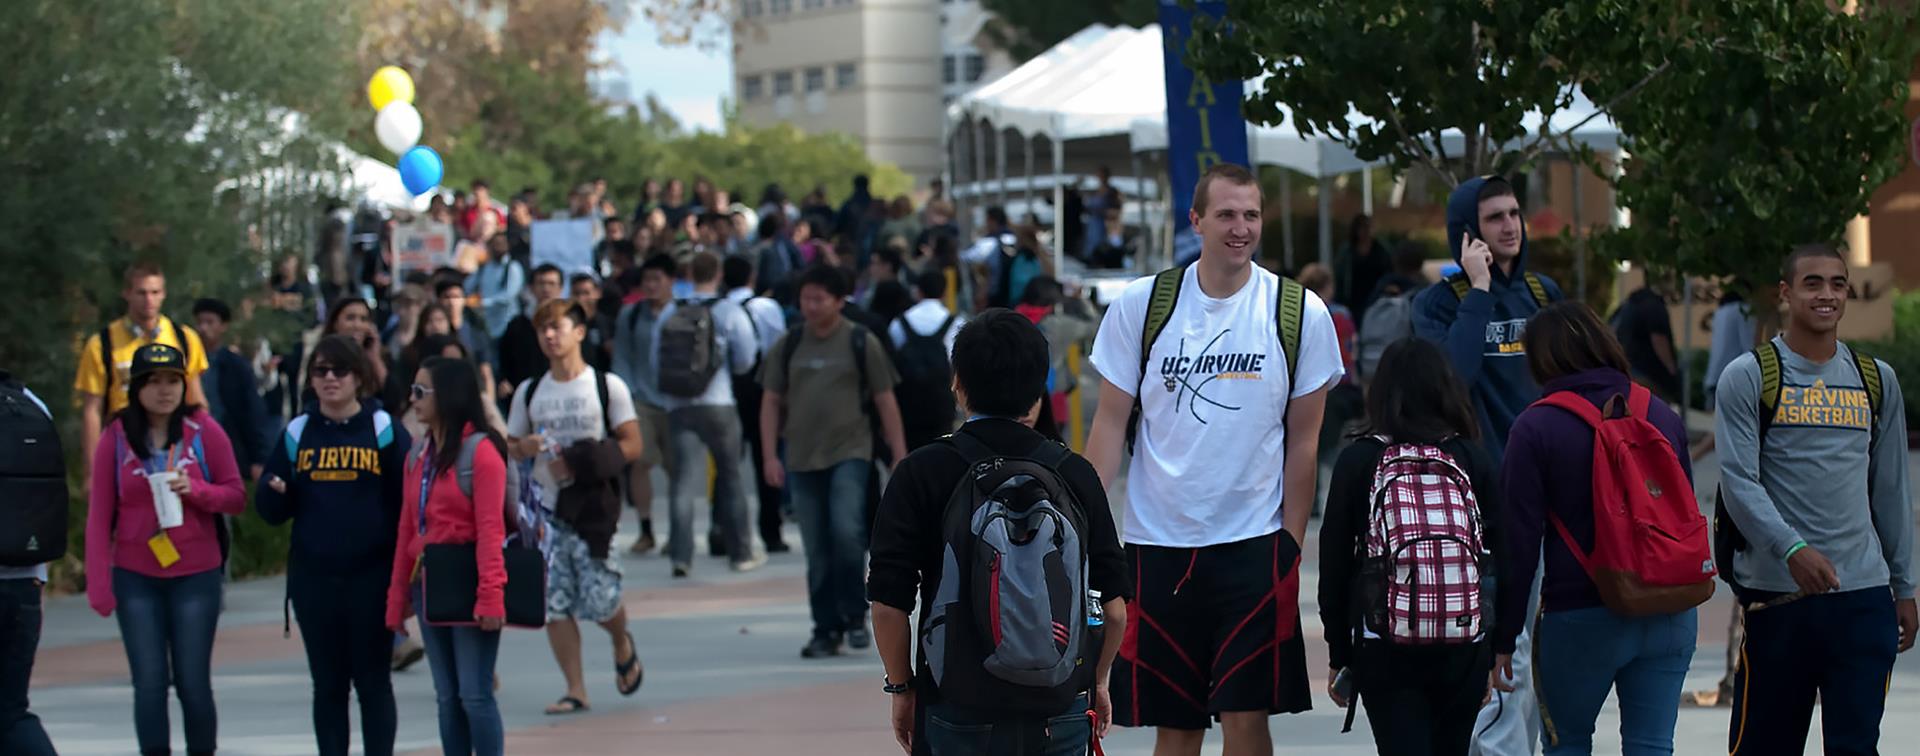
{"x": 750, "y": 563}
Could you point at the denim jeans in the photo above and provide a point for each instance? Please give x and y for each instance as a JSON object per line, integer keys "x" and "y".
{"x": 1585, "y": 653}
{"x": 167, "y": 626}
{"x": 954, "y": 731}
{"x": 349, "y": 651}
{"x": 462, "y": 659}
{"x": 20, "y": 731}
{"x": 831, "y": 506}
{"x": 697, "y": 432}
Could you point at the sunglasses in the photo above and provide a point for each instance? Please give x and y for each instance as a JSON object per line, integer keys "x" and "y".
{"x": 333, "y": 371}
{"x": 421, "y": 390}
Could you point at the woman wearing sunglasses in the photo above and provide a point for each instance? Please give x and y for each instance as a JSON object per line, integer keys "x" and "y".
{"x": 336, "y": 474}
{"x": 446, "y": 397}
{"x": 162, "y": 472}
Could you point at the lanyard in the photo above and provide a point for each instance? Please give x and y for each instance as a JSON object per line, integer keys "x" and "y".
{"x": 427, "y": 473}
{"x": 173, "y": 458}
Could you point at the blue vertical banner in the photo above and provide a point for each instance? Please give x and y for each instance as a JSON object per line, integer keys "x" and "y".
{"x": 1204, "y": 123}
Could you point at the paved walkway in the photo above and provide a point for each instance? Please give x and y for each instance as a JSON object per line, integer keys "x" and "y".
{"x": 723, "y": 677}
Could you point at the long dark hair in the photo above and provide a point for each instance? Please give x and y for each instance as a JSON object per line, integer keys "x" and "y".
{"x": 412, "y": 354}
{"x": 1567, "y": 338}
{"x": 457, "y": 404}
{"x": 133, "y": 418}
{"x": 340, "y": 305}
{"x": 427, "y": 347}
{"x": 1417, "y": 398}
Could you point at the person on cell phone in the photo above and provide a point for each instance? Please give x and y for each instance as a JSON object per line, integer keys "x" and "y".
{"x": 352, "y": 317}
{"x": 336, "y": 475}
{"x": 1421, "y": 693}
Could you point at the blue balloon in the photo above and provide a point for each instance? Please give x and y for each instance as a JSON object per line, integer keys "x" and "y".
{"x": 421, "y": 169}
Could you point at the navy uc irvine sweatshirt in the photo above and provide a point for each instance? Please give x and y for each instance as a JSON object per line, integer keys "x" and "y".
{"x": 343, "y": 489}
{"x": 1483, "y": 332}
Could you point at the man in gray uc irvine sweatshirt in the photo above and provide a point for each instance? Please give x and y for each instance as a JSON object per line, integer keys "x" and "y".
{"x": 1826, "y": 575}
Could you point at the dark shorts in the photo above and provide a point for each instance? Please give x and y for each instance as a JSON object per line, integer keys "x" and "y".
{"x": 1213, "y": 630}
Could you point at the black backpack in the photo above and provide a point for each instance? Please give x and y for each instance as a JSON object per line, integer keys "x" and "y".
{"x": 926, "y": 379}
{"x": 689, "y": 351}
{"x": 1008, "y": 627}
{"x": 33, "y": 480}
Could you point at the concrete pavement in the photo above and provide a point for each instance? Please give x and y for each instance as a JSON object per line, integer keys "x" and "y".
{"x": 723, "y": 677}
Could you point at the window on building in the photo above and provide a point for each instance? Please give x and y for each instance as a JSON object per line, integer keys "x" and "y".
{"x": 843, "y": 2}
{"x": 812, "y": 4}
{"x": 816, "y": 79}
{"x": 947, "y": 68}
{"x": 780, "y": 7}
{"x": 750, "y": 88}
{"x": 783, "y": 83}
{"x": 976, "y": 66}
{"x": 845, "y": 76}
{"x": 753, "y": 8}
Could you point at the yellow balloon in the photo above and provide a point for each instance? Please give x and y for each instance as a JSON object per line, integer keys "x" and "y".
{"x": 389, "y": 84}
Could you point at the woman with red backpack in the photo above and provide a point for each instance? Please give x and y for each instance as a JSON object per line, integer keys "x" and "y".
{"x": 1408, "y": 547}
{"x": 1597, "y": 439}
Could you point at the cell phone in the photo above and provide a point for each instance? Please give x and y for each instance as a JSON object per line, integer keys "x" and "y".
{"x": 1343, "y": 684}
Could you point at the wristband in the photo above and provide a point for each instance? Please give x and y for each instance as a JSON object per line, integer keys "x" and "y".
{"x": 1791, "y": 550}
{"x": 896, "y": 689}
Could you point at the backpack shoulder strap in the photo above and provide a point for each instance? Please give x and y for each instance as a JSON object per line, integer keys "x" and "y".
{"x": 1869, "y": 379}
{"x": 971, "y": 448}
{"x": 789, "y": 346}
{"x": 200, "y": 456}
{"x": 106, "y": 357}
{"x": 1161, "y": 302}
{"x": 859, "y": 338}
{"x": 1460, "y": 285}
{"x": 1052, "y": 454}
{"x": 463, "y": 465}
{"x": 382, "y": 429}
{"x": 180, "y": 335}
{"x": 1538, "y": 289}
{"x": 533, "y": 385}
{"x": 295, "y": 429}
{"x": 606, "y": 405}
{"x": 1768, "y": 357}
{"x": 1290, "y": 313}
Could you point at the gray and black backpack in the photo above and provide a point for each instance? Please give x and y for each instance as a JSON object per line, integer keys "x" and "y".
{"x": 689, "y": 351}
{"x": 1008, "y": 626}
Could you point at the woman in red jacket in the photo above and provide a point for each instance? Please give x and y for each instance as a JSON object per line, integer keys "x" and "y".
{"x": 158, "y": 562}
{"x": 446, "y": 397}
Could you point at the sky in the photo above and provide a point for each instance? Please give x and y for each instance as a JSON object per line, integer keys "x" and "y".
{"x": 688, "y": 80}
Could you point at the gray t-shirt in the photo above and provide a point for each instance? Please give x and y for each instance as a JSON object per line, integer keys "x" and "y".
{"x": 1824, "y": 476}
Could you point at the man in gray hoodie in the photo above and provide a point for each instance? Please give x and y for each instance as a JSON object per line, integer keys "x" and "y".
{"x": 1819, "y": 546}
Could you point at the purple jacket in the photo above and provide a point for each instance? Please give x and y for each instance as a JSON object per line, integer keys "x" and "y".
{"x": 1549, "y": 468}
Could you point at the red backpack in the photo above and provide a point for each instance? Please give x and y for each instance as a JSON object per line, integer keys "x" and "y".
{"x": 1651, "y": 550}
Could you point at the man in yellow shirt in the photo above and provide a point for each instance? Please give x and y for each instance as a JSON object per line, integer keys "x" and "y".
{"x": 103, "y": 391}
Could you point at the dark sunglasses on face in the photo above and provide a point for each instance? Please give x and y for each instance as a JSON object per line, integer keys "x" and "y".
{"x": 323, "y": 371}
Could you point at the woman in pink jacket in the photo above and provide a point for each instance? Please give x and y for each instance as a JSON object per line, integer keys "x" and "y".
{"x": 158, "y": 561}
{"x": 446, "y": 396}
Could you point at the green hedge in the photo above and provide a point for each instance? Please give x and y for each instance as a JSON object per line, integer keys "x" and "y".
{"x": 1902, "y": 350}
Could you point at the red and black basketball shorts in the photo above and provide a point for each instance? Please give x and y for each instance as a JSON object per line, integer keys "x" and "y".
{"x": 1212, "y": 630}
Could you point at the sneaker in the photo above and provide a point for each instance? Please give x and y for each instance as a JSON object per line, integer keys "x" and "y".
{"x": 821, "y": 647}
{"x": 750, "y": 563}
{"x": 859, "y": 638}
{"x": 408, "y": 654}
{"x": 644, "y": 544}
{"x": 778, "y": 547}
{"x": 681, "y": 570}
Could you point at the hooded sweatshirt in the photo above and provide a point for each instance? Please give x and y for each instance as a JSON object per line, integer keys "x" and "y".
{"x": 1483, "y": 332}
{"x": 121, "y": 516}
{"x": 343, "y": 489}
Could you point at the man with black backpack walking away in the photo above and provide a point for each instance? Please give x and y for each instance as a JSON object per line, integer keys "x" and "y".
{"x": 1815, "y": 526}
{"x": 998, "y": 527}
{"x": 1218, "y": 373}
{"x": 704, "y": 341}
{"x": 33, "y": 483}
{"x": 826, "y": 382}
{"x": 922, "y": 347}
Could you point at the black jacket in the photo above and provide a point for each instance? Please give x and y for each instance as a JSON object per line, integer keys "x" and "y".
{"x": 1343, "y": 532}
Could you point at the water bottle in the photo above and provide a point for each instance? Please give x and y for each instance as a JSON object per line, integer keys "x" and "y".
{"x": 1096, "y": 611}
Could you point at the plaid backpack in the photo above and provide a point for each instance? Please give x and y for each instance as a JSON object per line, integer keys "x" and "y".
{"x": 1421, "y": 576}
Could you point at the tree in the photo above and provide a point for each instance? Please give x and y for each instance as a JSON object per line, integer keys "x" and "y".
{"x": 1752, "y": 125}
{"x": 1025, "y": 28}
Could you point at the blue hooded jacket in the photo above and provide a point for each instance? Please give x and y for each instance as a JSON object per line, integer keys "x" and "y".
{"x": 1482, "y": 333}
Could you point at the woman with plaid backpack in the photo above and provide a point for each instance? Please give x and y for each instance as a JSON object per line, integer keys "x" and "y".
{"x": 1408, "y": 552}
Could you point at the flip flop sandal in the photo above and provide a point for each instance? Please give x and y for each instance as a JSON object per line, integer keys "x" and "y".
{"x": 567, "y": 705}
{"x": 630, "y": 666}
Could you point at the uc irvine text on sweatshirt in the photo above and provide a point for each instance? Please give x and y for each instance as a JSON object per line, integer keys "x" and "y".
{"x": 343, "y": 488}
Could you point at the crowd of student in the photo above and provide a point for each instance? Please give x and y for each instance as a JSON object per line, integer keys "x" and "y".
{"x": 1510, "y": 533}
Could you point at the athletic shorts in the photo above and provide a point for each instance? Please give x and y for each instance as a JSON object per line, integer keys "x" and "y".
{"x": 1212, "y": 630}
{"x": 654, "y": 429}
{"x": 579, "y": 586}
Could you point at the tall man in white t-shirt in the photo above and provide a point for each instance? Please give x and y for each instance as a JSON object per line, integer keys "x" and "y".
{"x": 1221, "y": 479}
{"x": 578, "y": 426}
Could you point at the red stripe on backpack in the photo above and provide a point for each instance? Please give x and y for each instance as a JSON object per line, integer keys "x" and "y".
{"x": 1651, "y": 549}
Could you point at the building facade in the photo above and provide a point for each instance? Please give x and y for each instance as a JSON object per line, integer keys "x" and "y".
{"x": 879, "y": 70}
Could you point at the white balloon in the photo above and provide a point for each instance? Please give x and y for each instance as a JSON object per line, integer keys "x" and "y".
{"x": 398, "y": 127}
